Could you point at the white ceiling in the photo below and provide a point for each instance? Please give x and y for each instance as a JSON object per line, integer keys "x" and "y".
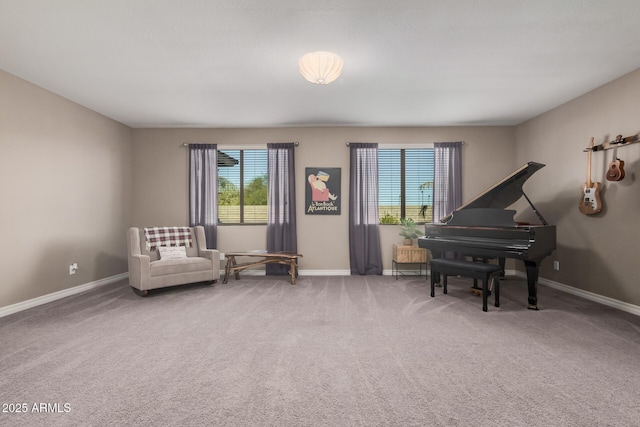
{"x": 233, "y": 63}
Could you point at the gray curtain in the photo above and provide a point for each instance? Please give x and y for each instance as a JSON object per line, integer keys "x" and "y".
{"x": 447, "y": 186}
{"x": 281, "y": 203}
{"x": 364, "y": 235}
{"x": 203, "y": 190}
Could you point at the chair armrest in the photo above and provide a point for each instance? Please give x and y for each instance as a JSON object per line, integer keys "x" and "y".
{"x": 214, "y": 256}
{"x": 139, "y": 271}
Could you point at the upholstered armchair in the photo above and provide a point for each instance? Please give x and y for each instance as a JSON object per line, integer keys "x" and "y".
{"x": 161, "y": 263}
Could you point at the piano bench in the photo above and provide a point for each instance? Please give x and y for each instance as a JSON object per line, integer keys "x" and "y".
{"x": 474, "y": 270}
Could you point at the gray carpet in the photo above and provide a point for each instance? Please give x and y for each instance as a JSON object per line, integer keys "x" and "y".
{"x": 330, "y": 351}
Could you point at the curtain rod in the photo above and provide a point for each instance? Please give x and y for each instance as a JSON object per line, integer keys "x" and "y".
{"x": 186, "y": 144}
{"x": 347, "y": 144}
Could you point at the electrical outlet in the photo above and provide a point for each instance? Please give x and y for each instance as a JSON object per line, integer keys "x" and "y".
{"x": 73, "y": 268}
{"x": 222, "y": 258}
{"x": 556, "y": 265}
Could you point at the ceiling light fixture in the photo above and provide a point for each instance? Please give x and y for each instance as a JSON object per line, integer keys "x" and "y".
{"x": 320, "y": 67}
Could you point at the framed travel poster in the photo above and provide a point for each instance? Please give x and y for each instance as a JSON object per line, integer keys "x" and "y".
{"x": 322, "y": 196}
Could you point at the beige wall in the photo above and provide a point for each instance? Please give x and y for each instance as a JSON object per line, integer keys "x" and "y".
{"x": 597, "y": 253}
{"x": 64, "y": 192}
{"x": 72, "y": 181}
{"x": 161, "y": 179}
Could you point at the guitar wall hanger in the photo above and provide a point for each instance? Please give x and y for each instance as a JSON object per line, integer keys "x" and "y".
{"x": 618, "y": 142}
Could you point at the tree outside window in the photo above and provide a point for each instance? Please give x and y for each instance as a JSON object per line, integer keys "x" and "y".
{"x": 242, "y": 188}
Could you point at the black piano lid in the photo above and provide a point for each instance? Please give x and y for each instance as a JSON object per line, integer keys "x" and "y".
{"x": 506, "y": 192}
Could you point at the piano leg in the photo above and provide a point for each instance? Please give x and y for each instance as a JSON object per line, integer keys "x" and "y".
{"x": 501, "y": 263}
{"x": 532, "y": 283}
{"x": 436, "y": 254}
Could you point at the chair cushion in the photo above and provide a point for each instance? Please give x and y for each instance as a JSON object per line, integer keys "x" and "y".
{"x": 179, "y": 266}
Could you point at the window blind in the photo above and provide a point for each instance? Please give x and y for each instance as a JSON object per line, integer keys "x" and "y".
{"x": 242, "y": 188}
{"x": 405, "y": 184}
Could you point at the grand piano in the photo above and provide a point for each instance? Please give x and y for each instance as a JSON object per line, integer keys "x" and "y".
{"x": 484, "y": 228}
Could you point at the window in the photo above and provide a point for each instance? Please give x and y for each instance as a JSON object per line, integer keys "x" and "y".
{"x": 405, "y": 184}
{"x": 242, "y": 186}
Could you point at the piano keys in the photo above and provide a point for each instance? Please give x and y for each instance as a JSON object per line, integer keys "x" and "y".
{"x": 484, "y": 228}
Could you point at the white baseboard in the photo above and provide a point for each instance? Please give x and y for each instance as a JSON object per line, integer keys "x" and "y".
{"x": 44, "y": 299}
{"x": 601, "y": 299}
{"x": 610, "y": 302}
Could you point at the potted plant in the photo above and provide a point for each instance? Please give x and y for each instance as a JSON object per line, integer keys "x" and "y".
{"x": 409, "y": 230}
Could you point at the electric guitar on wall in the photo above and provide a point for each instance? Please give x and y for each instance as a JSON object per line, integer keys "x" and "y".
{"x": 590, "y": 201}
{"x": 616, "y": 167}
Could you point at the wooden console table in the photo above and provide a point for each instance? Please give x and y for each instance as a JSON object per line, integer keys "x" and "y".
{"x": 264, "y": 257}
